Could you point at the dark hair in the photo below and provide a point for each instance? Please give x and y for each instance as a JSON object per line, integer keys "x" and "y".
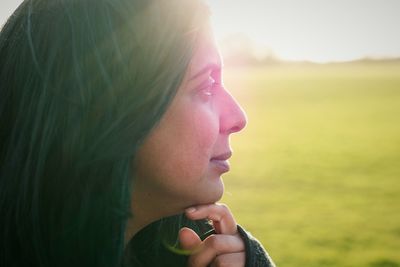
{"x": 82, "y": 82}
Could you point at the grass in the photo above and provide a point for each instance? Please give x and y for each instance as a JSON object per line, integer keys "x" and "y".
{"x": 315, "y": 174}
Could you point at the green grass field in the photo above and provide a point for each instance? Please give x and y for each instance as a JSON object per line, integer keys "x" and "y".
{"x": 315, "y": 174}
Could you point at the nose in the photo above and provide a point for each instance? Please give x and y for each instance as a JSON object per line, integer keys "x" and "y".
{"x": 232, "y": 117}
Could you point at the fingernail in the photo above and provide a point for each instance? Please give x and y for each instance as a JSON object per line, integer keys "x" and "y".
{"x": 190, "y": 210}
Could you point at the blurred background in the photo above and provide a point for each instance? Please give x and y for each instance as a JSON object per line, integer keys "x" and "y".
{"x": 315, "y": 175}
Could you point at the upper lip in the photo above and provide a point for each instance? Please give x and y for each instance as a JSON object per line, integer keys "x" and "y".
{"x": 223, "y": 156}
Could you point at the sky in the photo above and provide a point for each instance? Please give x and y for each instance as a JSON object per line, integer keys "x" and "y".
{"x": 313, "y": 30}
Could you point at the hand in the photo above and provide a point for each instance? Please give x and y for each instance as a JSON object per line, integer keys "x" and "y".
{"x": 225, "y": 248}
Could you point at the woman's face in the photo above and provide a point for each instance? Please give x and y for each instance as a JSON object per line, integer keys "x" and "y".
{"x": 181, "y": 161}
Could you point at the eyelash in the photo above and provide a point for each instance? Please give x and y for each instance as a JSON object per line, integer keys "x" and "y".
{"x": 208, "y": 89}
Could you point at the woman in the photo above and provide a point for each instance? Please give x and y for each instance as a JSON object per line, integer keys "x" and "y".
{"x": 114, "y": 134}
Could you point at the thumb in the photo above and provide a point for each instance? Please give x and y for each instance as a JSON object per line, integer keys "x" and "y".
{"x": 188, "y": 239}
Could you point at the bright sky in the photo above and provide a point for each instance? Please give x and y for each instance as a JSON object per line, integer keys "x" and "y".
{"x": 315, "y": 30}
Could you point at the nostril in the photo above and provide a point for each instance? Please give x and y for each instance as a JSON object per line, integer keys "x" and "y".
{"x": 235, "y": 129}
{"x": 241, "y": 124}
{"x": 233, "y": 118}
{"x": 241, "y": 120}
{"x": 238, "y": 125}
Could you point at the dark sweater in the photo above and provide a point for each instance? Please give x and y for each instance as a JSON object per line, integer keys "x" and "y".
{"x": 146, "y": 250}
{"x": 256, "y": 256}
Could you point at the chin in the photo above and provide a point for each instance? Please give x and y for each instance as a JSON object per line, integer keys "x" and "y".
{"x": 212, "y": 193}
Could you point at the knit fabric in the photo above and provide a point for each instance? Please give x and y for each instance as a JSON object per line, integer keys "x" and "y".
{"x": 145, "y": 254}
{"x": 256, "y": 256}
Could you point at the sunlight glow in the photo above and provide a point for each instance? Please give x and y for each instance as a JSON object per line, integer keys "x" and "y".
{"x": 314, "y": 30}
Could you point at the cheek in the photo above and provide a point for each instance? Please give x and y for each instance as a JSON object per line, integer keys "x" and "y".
{"x": 204, "y": 131}
{"x": 178, "y": 150}
{"x": 194, "y": 135}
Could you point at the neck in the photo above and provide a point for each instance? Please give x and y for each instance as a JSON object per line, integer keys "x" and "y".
{"x": 147, "y": 209}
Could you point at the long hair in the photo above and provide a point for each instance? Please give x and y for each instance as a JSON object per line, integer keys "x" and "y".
{"x": 82, "y": 83}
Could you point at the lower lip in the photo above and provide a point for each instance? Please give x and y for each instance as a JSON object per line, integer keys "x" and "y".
{"x": 222, "y": 165}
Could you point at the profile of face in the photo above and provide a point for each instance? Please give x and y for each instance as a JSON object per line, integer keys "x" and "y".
{"x": 181, "y": 161}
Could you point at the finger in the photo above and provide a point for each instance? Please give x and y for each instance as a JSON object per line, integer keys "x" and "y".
{"x": 214, "y": 246}
{"x": 230, "y": 259}
{"x": 189, "y": 240}
{"x": 221, "y": 216}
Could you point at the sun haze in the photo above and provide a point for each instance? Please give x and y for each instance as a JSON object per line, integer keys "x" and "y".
{"x": 314, "y": 30}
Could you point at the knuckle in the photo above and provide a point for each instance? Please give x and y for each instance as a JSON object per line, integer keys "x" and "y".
{"x": 223, "y": 206}
{"x": 194, "y": 261}
{"x": 213, "y": 241}
{"x": 221, "y": 262}
{"x": 224, "y": 209}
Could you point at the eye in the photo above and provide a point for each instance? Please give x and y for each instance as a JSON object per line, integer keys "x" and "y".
{"x": 207, "y": 89}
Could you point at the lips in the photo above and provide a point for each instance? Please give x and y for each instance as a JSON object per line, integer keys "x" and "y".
{"x": 221, "y": 161}
{"x": 224, "y": 156}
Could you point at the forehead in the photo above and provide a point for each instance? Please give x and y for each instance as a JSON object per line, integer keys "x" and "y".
{"x": 206, "y": 52}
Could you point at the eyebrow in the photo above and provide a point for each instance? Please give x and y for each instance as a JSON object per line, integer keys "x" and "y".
{"x": 207, "y": 68}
